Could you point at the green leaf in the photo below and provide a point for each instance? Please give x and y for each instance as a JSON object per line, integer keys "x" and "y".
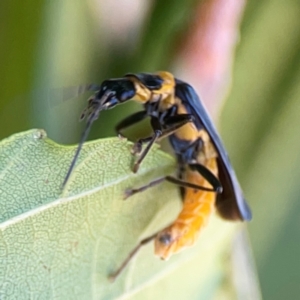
{"x": 64, "y": 244}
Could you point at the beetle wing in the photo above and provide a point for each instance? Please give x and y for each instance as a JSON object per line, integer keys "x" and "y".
{"x": 230, "y": 203}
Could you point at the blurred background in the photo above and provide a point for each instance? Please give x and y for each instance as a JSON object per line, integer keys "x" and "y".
{"x": 242, "y": 57}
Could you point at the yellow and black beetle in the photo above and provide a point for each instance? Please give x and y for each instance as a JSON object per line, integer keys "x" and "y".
{"x": 205, "y": 174}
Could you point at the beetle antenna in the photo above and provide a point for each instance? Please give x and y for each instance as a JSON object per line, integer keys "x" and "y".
{"x": 96, "y": 108}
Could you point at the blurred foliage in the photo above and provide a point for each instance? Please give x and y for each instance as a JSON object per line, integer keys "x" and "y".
{"x": 46, "y": 44}
{"x": 260, "y": 123}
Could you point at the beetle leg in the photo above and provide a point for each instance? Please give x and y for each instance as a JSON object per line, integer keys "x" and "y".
{"x": 170, "y": 125}
{"x": 172, "y": 179}
{"x": 209, "y": 176}
{"x": 175, "y": 122}
{"x": 156, "y": 126}
{"x": 142, "y": 243}
{"x": 130, "y": 120}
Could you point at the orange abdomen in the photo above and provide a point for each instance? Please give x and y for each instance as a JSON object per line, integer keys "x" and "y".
{"x": 197, "y": 208}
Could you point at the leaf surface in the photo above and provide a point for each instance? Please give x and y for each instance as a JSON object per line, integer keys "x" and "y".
{"x": 64, "y": 244}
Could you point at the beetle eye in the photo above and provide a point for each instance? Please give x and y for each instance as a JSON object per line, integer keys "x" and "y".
{"x": 126, "y": 94}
